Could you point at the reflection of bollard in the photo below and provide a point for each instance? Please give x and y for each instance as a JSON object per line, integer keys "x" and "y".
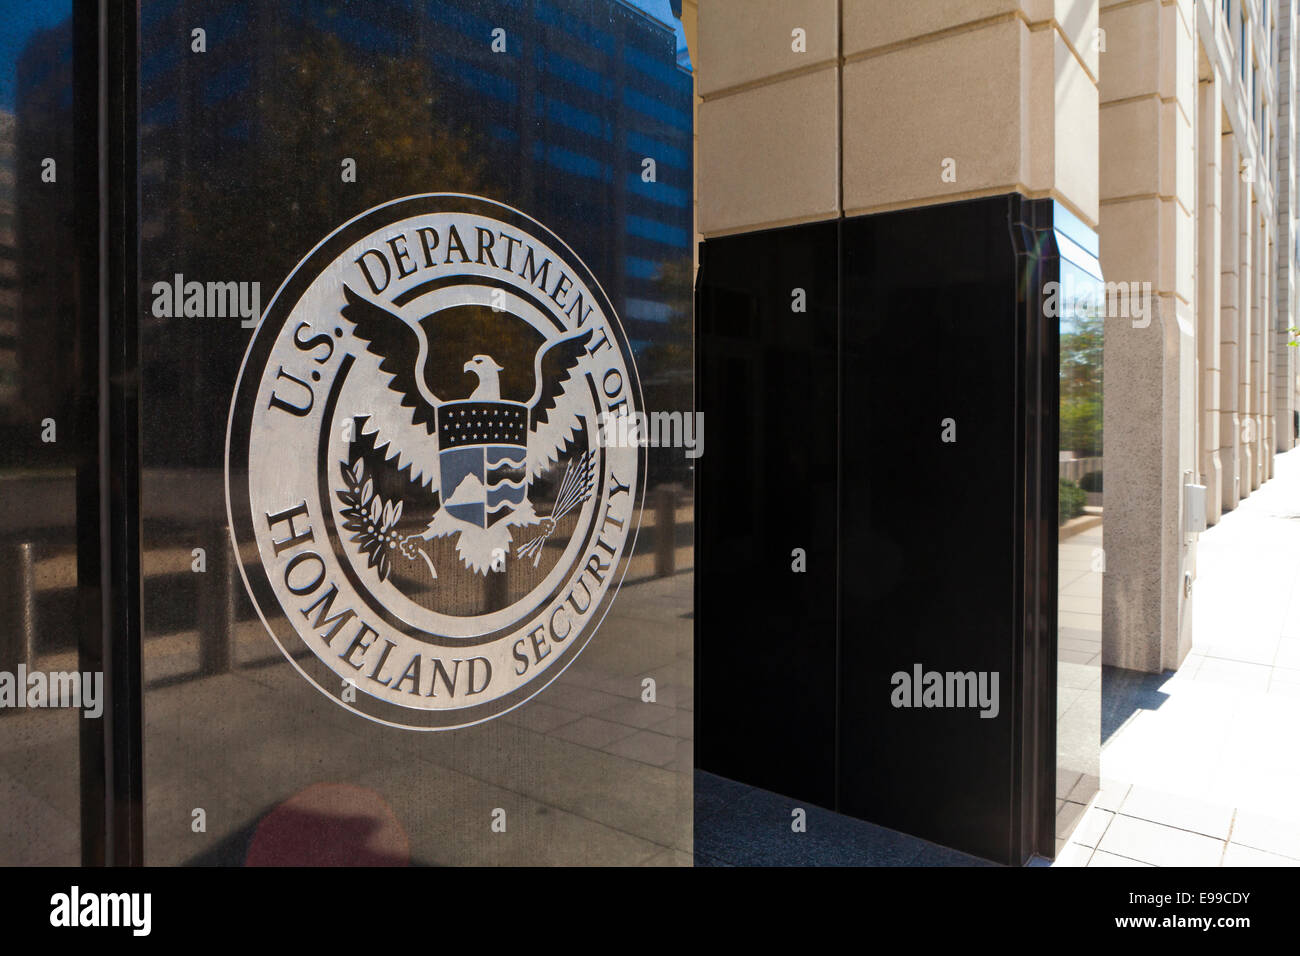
{"x": 496, "y": 591}
{"x": 216, "y": 605}
{"x": 665, "y": 531}
{"x": 18, "y": 607}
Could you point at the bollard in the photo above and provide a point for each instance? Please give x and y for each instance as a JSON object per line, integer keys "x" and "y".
{"x": 665, "y": 531}
{"x": 216, "y": 609}
{"x": 18, "y": 608}
{"x": 496, "y": 591}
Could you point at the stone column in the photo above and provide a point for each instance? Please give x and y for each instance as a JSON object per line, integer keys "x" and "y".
{"x": 1232, "y": 193}
{"x": 1245, "y": 307}
{"x": 1254, "y": 367}
{"x": 1148, "y": 235}
{"x": 1209, "y": 133}
{"x": 1283, "y": 377}
{"x": 1267, "y": 321}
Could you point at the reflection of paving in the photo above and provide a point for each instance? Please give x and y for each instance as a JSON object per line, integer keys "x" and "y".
{"x": 570, "y": 795}
{"x": 1078, "y": 673}
{"x": 587, "y": 773}
{"x": 1200, "y": 765}
{"x": 1078, "y": 597}
{"x": 740, "y": 825}
{"x": 39, "y": 784}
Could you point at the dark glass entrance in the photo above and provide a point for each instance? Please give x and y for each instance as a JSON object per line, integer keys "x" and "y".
{"x": 242, "y": 143}
{"x": 906, "y": 675}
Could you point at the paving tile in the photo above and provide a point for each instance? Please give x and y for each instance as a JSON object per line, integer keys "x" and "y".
{"x": 1290, "y": 691}
{"x": 1084, "y": 789}
{"x": 683, "y": 757}
{"x": 1072, "y": 854}
{"x": 1234, "y": 674}
{"x": 1286, "y": 675}
{"x": 1158, "y": 844}
{"x": 1112, "y": 794}
{"x": 645, "y": 746}
{"x": 593, "y": 732}
{"x": 1066, "y": 780}
{"x": 670, "y": 858}
{"x": 1237, "y": 855}
{"x": 1067, "y": 815}
{"x": 541, "y": 717}
{"x": 584, "y": 700}
{"x": 1288, "y": 653}
{"x": 1092, "y": 827}
{"x": 637, "y": 713}
{"x": 1178, "y": 811}
{"x": 1191, "y": 664}
{"x": 32, "y": 831}
{"x": 626, "y": 687}
{"x": 1102, "y": 858}
{"x": 1271, "y": 834}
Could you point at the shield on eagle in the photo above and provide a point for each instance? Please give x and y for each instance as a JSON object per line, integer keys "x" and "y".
{"x": 483, "y": 454}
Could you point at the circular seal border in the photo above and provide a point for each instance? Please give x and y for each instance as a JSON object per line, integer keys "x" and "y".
{"x": 239, "y": 426}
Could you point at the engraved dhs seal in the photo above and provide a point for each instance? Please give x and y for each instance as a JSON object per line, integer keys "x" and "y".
{"x": 425, "y": 517}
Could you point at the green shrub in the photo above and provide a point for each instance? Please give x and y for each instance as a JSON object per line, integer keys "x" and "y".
{"x": 1091, "y": 481}
{"x": 1070, "y": 500}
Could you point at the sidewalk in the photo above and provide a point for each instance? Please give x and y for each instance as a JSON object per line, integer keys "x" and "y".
{"x": 1201, "y": 766}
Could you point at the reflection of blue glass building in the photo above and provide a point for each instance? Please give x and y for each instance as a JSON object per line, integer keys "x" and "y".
{"x": 583, "y": 94}
{"x": 8, "y": 266}
{"x": 36, "y": 299}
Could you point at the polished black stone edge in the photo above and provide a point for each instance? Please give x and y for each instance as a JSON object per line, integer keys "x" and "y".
{"x": 105, "y": 168}
{"x": 1034, "y": 792}
{"x": 1029, "y": 225}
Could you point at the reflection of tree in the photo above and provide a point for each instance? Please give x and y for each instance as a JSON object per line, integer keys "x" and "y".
{"x": 1081, "y": 396}
{"x": 38, "y": 291}
{"x": 248, "y": 189}
{"x": 666, "y": 365}
{"x": 669, "y": 357}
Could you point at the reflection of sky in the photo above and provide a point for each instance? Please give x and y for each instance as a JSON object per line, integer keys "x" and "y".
{"x": 661, "y": 10}
{"x": 1082, "y": 291}
{"x": 20, "y": 19}
{"x": 1081, "y": 299}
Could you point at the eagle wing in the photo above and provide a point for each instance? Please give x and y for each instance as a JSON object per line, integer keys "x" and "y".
{"x": 553, "y": 416}
{"x": 402, "y": 350}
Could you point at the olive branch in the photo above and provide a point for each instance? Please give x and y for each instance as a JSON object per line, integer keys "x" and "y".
{"x": 373, "y": 521}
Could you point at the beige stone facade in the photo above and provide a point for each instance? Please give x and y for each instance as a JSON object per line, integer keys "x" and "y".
{"x": 1196, "y": 187}
{"x": 819, "y": 108}
{"x": 1166, "y": 125}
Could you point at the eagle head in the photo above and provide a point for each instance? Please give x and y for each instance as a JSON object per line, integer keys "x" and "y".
{"x": 481, "y": 365}
{"x": 486, "y": 368}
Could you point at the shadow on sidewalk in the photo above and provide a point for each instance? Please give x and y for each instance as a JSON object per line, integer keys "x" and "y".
{"x": 1124, "y": 693}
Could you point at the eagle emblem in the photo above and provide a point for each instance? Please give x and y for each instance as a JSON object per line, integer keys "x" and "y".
{"x": 432, "y": 520}
{"x": 488, "y": 447}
